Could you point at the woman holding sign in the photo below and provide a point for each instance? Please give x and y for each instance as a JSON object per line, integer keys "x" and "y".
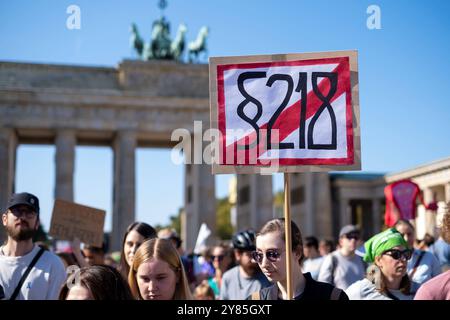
{"x": 157, "y": 272}
{"x": 271, "y": 256}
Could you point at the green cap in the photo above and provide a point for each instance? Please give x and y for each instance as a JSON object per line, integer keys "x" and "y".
{"x": 381, "y": 242}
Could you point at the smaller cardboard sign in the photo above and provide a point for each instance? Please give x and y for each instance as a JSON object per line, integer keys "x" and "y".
{"x": 71, "y": 220}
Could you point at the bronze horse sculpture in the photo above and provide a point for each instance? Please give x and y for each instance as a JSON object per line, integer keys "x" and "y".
{"x": 198, "y": 45}
{"x": 161, "y": 46}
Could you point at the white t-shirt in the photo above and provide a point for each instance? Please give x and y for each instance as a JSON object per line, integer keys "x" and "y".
{"x": 365, "y": 290}
{"x": 44, "y": 281}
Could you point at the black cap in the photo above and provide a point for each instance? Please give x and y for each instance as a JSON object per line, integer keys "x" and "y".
{"x": 24, "y": 198}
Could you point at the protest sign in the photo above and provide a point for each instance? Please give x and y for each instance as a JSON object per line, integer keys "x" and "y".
{"x": 285, "y": 113}
{"x": 288, "y": 112}
{"x": 71, "y": 220}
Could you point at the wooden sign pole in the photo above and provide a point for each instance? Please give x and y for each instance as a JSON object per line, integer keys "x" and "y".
{"x": 287, "y": 217}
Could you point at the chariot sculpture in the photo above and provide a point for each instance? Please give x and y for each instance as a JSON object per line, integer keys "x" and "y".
{"x": 162, "y": 47}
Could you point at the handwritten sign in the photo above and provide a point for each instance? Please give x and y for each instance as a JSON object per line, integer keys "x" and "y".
{"x": 287, "y": 113}
{"x": 71, "y": 220}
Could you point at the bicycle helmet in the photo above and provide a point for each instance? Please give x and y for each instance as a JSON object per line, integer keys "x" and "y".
{"x": 244, "y": 240}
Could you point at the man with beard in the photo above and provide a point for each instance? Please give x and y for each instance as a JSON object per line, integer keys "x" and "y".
{"x": 27, "y": 272}
{"x": 241, "y": 281}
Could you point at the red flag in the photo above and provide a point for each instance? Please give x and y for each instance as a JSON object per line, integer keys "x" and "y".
{"x": 401, "y": 201}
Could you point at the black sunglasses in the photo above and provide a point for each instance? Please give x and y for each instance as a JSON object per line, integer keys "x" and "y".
{"x": 19, "y": 211}
{"x": 397, "y": 254}
{"x": 353, "y": 236}
{"x": 219, "y": 257}
{"x": 272, "y": 255}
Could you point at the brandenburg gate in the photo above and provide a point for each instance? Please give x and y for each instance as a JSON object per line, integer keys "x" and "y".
{"x": 137, "y": 104}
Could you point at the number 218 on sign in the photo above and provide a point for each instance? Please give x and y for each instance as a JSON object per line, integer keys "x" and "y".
{"x": 301, "y": 108}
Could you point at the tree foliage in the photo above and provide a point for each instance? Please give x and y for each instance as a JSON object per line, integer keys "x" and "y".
{"x": 224, "y": 229}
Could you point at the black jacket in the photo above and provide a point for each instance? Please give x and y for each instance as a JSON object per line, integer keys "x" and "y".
{"x": 314, "y": 290}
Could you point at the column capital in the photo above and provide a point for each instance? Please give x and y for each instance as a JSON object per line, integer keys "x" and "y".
{"x": 6, "y": 134}
{"x": 65, "y": 132}
{"x": 126, "y": 134}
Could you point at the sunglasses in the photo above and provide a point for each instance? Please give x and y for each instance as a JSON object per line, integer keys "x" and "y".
{"x": 18, "y": 212}
{"x": 353, "y": 236}
{"x": 397, "y": 254}
{"x": 220, "y": 257}
{"x": 271, "y": 255}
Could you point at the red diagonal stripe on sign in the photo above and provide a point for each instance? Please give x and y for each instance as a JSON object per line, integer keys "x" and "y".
{"x": 288, "y": 121}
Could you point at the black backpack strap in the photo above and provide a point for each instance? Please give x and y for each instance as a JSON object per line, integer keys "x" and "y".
{"x": 25, "y": 275}
{"x": 335, "y": 293}
{"x": 390, "y": 295}
{"x": 334, "y": 263}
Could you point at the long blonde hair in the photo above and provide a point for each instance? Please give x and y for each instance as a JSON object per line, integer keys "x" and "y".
{"x": 164, "y": 250}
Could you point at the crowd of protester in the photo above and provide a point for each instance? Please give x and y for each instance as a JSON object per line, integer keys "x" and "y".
{"x": 151, "y": 264}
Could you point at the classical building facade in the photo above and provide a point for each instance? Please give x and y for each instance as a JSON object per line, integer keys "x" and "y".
{"x": 434, "y": 180}
{"x": 321, "y": 203}
{"x": 139, "y": 104}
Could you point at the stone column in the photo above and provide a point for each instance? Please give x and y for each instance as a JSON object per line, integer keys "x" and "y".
{"x": 65, "y": 142}
{"x": 309, "y": 227}
{"x": 261, "y": 199}
{"x": 243, "y": 206}
{"x": 427, "y": 195}
{"x": 430, "y": 217}
{"x": 298, "y": 191}
{"x": 344, "y": 212}
{"x": 8, "y": 147}
{"x": 311, "y": 203}
{"x": 376, "y": 216}
{"x": 188, "y": 231}
{"x": 124, "y": 194}
{"x": 200, "y": 203}
{"x": 254, "y": 201}
{"x": 447, "y": 192}
{"x": 322, "y": 212}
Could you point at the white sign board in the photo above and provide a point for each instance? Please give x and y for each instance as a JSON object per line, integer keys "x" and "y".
{"x": 285, "y": 113}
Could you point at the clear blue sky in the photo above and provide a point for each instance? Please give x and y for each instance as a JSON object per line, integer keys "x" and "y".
{"x": 403, "y": 73}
